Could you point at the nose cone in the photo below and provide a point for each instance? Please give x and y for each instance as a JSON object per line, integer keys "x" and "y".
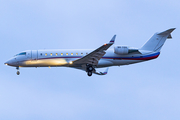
{"x": 7, "y": 63}
{"x": 11, "y": 62}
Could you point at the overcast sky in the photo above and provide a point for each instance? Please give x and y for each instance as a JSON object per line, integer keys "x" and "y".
{"x": 143, "y": 91}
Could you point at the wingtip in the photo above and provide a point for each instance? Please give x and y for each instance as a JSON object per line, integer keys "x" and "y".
{"x": 102, "y": 73}
{"x": 172, "y": 29}
{"x": 106, "y": 71}
{"x": 113, "y": 39}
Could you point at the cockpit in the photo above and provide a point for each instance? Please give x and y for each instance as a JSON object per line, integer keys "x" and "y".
{"x": 23, "y": 53}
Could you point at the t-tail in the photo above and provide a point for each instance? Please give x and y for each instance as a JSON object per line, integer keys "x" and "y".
{"x": 155, "y": 43}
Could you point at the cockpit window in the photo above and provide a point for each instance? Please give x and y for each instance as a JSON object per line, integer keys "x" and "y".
{"x": 23, "y": 53}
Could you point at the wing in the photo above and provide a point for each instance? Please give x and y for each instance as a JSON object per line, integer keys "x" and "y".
{"x": 93, "y": 57}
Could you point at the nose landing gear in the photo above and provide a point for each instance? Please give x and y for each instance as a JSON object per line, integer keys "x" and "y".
{"x": 18, "y": 73}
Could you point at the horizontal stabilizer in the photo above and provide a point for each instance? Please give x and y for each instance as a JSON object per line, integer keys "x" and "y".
{"x": 169, "y": 37}
{"x": 167, "y": 32}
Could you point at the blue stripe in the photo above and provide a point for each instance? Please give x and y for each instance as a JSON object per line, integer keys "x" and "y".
{"x": 146, "y": 56}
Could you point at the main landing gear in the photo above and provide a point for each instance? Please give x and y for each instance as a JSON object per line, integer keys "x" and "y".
{"x": 18, "y": 73}
{"x": 89, "y": 73}
{"x": 89, "y": 70}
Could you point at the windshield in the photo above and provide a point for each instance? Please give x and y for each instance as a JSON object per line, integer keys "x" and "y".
{"x": 23, "y": 53}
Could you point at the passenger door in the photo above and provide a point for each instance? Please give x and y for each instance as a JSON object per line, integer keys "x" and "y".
{"x": 34, "y": 55}
{"x": 28, "y": 54}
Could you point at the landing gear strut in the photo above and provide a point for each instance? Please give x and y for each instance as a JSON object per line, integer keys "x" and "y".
{"x": 89, "y": 70}
{"x": 17, "y": 71}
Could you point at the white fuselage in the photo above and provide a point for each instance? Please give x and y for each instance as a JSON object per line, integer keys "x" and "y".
{"x": 58, "y": 57}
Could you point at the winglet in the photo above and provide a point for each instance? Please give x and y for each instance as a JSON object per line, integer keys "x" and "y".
{"x": 102, "y": 73}
{"x": 106, "y": 71}
{"x": 112, "y": 40}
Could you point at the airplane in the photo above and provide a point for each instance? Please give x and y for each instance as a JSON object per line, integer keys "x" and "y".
{"x": 90, "y": 60}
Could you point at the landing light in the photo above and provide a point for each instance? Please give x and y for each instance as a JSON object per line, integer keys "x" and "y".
{"x": 70, "y": 62}
{"x": 6, "y": 64}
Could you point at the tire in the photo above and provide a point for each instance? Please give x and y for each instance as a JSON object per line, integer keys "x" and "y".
{"x": 90, "y": 68}
{"x": 18, "y": 73}
{"x": 89, "y": 73}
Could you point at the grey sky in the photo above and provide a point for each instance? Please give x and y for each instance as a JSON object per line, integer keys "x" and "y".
{"x": 148, "y": 90}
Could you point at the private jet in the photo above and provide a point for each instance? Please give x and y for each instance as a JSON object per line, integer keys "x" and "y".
{"x": 89, "y": 60}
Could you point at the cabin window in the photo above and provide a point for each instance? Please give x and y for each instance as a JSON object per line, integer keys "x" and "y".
{"x": 71, "y": 53}
{"x": 81, "y": 53}
{"x": 46, "y": 54}
{"x": 61, "y": 53}
{"x": 51, "y": 54}
{"x": 86, "y": 53}
{"x": 66, "y": 53}
{"x": 41, "y": 54}
{"x": 56, "y": 54}
{"x": 76, "y": 53}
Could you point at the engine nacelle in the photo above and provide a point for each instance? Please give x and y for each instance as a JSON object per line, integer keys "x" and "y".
{"x": 121, "y": 50}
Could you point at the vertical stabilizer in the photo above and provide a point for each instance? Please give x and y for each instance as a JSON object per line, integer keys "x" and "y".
{"x": 156, "y": 42}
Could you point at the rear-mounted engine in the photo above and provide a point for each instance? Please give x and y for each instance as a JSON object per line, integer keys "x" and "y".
{"x": 124, "y": 50}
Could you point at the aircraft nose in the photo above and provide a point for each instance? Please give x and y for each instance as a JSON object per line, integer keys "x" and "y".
{"x": 11, "y": 62}
{"x": 7, "y": 63}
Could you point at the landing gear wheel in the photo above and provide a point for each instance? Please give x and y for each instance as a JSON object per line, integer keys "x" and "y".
{"x": 89, "y": 73}
{"x": 90, "y": 68}
{"x": 18, "y": 72}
